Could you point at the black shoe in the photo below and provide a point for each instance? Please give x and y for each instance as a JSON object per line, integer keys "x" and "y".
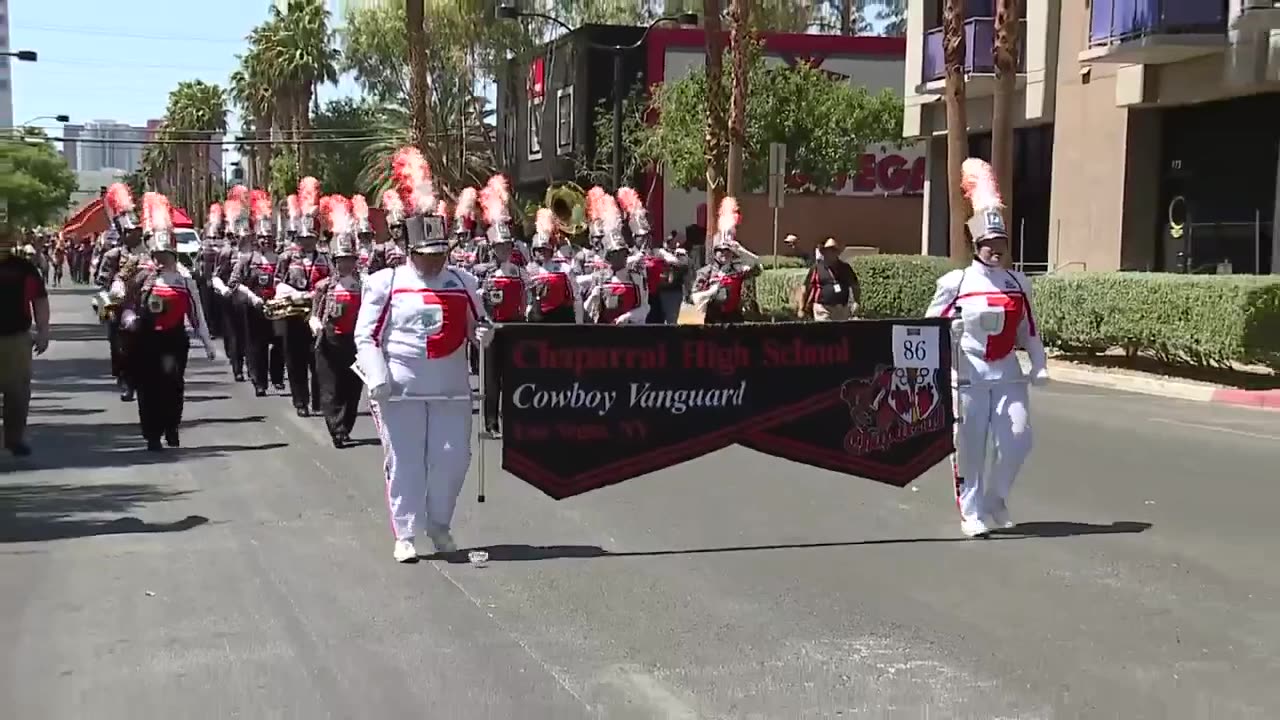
{"x": 238, "y": 375}
{"x": 260, "y": 392}
{"x": 171, "y": 438}
{"x": 339, "y": 441}
{"x": 20, "y": 449}
{"x": 127, "y": 395}
{"x": 154, "y": 445}
{"x": 278, "y": 386}
{"x": 302, "y": 411}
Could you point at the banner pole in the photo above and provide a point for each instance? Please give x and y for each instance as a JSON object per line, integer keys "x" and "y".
{"x": 484, "y": 434}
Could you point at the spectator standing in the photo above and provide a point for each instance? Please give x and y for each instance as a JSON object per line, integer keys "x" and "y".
{"x": 834, "y": 293}
{"x": 24, "y": 303}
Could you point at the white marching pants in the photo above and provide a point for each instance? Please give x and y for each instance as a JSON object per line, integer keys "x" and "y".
{"x": 427, "y": 449}
{"x": 995, "y": 417}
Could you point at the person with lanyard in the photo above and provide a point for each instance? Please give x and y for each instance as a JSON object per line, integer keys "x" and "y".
{"x": 332, "y": 321}
{"x": 252, "y": 283}
{"x": 719, "y": 284}
{"x": 391, "y": 252}
{"x": 833, "y": 293}
{"x": 554, "y": 295}
{"x": 165, "y": 299}
{"x": 239, "y": 245}
{"x": 992, "y": 316}
{"x": 298, "y": 271}
{"x": 207, "y": 266}
{"x": 616, "y": 295}
{"x": 120, "y": 204}
{"x": 411, "y": 335}
{"x": 24, "y": 308}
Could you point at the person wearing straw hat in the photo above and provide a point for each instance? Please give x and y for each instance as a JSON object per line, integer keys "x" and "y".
{"x": 411, "y": 339}
{"x": 833, "y": 293}
{"x": 992, "y": 316}
{"x": 333, "y": 321}
{"x": 166, "y": 299}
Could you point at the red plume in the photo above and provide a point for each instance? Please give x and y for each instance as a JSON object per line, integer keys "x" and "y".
{"x": 413, "y": 180}
{"x": 978, "y": 181}
{"x": 545, "y": 222}
{"x": 213, "y": 221}
{"x": 308, "y": 195}
{"x": 155, "y": 213}
{"x": 442, "y": 209}
{"x": 291, "y": 204}
{"x": 593, "y": 201}
{"x": 467, "y": 203}
{"x": 494, "y": 199}
{"x": 119, "y": 199}
{"x": 630, "y": 200}
{"x": 605, "y": 209}
{"x": 259, "y": 204}
{"x": 393, "y": 206}
{"x": 233, "y": 210}
{"x": 240, "y": 194}
{"x": 338, "y": 210}
{"x": 359, "y": 207}
{"x": 728, "y": 217}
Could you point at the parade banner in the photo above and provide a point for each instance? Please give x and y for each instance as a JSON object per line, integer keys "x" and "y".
{"x": 586, "y": 406}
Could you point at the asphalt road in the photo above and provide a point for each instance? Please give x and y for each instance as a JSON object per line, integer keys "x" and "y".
{"x": 249, "y": 575}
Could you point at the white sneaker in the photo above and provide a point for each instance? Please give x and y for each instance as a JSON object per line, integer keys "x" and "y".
{"x": 405, "y": 552}
{"x": 1000, "y": 517}
{"x": 974, "y": 528}
{"x": 443, "y": 541}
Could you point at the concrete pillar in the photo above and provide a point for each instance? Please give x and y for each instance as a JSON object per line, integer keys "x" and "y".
{"x": 934, "y": 215}
{"x": 1275, "y": 225}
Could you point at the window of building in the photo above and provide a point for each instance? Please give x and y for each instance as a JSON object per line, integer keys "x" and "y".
{"x": 564, "y": 120}
{"x": 535, "y": 130}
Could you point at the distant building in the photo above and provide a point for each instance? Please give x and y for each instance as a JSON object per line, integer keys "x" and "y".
{"x": 6, "y": 89}
{"x": 121, "y": 151}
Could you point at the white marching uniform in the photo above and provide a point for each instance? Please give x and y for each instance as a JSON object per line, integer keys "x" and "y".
{"x": 994, "y": 307}
{"x": 412, "y": 333}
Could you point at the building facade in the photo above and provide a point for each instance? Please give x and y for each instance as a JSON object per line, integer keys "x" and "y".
{"x": 547, "y": 107}
{"x": 1146, "y": 131}
{"x": 121, "y": 151}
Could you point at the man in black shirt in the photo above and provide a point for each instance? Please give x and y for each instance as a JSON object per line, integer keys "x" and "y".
{"x": 24, "y": 301}
{"x": 833, "y": 287}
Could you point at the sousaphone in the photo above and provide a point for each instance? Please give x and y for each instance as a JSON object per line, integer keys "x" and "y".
{"x": 569, "y": 202}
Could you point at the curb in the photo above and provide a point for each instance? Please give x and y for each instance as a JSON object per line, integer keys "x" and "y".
{"x": 1263, "y": 399}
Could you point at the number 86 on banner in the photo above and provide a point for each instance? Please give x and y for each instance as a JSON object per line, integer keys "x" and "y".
{"x": 915, "y": 347}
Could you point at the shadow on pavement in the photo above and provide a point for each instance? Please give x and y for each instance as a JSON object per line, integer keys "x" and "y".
{"x": 77, "y": 332}
{"x": 37, "y": 410}
{"x": 59, "y": 445}
{"x": 31, "y": 512}
{"x": 1025, "y": 531}
{"x": 205, "y": 398}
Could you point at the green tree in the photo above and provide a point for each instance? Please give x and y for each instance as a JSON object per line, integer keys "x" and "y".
{"x": 824, "y": 121}
{"x": 35, "y": 181}
{"x": 338, "y": 165}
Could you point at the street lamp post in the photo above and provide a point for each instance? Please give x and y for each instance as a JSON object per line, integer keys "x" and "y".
{"x": 511, "y": 12}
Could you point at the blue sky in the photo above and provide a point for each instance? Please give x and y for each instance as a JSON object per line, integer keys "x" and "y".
{"x": 119, "y": 60}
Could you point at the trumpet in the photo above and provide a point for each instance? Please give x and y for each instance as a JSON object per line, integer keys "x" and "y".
{"x": 284, "y": 308}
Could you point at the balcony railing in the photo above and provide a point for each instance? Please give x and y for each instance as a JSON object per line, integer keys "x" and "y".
{"x": 979, "y": 35}
{"x": 1116, "y": 21}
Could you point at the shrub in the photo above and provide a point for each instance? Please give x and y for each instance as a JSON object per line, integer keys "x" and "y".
{"x": 1196, "y": 319}
{"x": 784, "y": 262}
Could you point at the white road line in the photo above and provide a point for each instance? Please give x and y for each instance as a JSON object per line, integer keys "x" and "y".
{"x": 1198, "y": 426}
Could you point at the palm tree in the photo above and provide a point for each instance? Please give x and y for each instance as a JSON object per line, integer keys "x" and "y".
{"x": 252, "y": 89}
{"x": 299, "y": 52}
{"x": 197, "y": 111}
{"x": 739, "y": 37}
{"x": 953, "y": 50}
{"x": 1005, "y": 51}
{"x": 416, "y": 32}
{"x": 714, "y": 145}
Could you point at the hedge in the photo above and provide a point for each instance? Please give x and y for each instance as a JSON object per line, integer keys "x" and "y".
{"x": 1195, "y": 319}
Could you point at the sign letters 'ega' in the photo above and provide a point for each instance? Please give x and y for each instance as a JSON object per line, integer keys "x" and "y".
{"x": 585, "y": 406}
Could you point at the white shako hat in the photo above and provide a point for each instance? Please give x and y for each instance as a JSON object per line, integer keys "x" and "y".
{"x": 978, "y": 181}
{"x": 343, "y": 245}
{"x": 426, "y": 234}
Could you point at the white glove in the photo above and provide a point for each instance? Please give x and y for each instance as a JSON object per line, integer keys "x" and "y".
{"x": 316, "y": 326}
{"x": 484, "y": 335}
{"x": 380, "y": 392}
{"x": 1040, "y": 377}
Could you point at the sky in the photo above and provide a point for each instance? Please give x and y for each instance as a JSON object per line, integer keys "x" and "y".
{"x": 118, "y": 60}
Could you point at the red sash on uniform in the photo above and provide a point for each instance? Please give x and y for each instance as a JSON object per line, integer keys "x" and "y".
{"x": 628, "y": 299}
{"x": 268, "y": 291}
{"x": 344, "y": 323}
{"x": 454, "y": 306}
{"x": 173, "y": 305}
{"x": 557, "y": 292}
{"x": 731, "y": 283}
{"x": 654, "y": 267}
{"x": 511, "y": 306}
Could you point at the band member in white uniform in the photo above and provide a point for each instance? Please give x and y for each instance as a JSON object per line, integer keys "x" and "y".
{"x": 993, "y": 316}
{"x": 167, "y": 298}
{"x": 411, "y": 337}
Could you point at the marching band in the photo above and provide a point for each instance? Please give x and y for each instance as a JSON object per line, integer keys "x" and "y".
{"x": 340, "y": 313}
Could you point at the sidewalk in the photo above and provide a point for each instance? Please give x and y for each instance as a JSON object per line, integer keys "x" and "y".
{"x": 1147, "y": 384}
